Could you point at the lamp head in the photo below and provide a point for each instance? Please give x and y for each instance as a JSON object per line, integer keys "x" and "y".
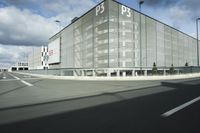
{"x": 141, "y": 2}
{"x": 57, "y": 21}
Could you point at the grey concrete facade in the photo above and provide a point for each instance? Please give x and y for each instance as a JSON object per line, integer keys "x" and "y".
{"x": 108, "y": 37}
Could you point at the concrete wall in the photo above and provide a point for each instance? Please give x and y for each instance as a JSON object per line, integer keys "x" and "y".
{"x": 109, "y": 36}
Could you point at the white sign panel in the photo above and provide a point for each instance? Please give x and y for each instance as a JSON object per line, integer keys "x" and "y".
{"x": 100, "y": 9}
{"x": 54, "y": 51}
{"x": 126, "y": 11}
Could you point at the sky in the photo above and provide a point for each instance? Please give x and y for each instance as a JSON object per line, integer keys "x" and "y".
{"x": 30, "y": 23}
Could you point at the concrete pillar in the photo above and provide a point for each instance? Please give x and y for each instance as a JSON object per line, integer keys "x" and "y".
{"x": 124, "y": 74}
{"x": 93, "y": 73}
{"x": 74, "y": 73}
{"x": 145, "y": 72}
{"x": 133, "y": 72}
{"x": 84, "y": 72}
{"x": 61, "y": 73}
{"x": 81, "y": 71}
{"x": 118, "y": 73}
{"x": 164, "y": 72}
{"x": 108, "y": 73}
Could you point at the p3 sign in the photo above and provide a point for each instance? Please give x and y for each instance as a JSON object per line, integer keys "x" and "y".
{"x": 125, "y": 11}
{"x": 100, "y": 9}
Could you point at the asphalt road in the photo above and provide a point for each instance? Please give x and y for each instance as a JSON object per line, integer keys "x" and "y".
{"x": 22, "y": 90}
{"x": 5, "y": 75}
{"x": 128, "y": 114}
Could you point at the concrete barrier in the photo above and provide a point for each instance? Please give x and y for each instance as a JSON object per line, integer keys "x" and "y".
{"x": 164, "y": 77}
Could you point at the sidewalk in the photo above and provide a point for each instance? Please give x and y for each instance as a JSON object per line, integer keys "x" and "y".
{"x": 131, "y": 78}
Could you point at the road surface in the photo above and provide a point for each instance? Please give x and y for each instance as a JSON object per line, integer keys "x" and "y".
{"x": 172, "y": 107}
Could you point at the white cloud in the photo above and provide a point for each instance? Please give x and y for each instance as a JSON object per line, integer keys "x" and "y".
{"x": 69, "y": 6}
{"x": 26, "y": 27}
{"x": 66, "y": 10}
{"x": 179, "y": 13}
{"x": 9, "y": 54}
{"x": 22, "y": 27}
{"x": 177, "y": 16}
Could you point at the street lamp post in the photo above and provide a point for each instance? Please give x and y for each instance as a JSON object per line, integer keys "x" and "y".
{"x": 58, "y": 21}
{"x": 60, "y": 37}
{"x": 140, "y": 3}
{"x": 197, "y": 41}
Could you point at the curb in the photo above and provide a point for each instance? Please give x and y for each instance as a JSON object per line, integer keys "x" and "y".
{"x": 136, "y": 78}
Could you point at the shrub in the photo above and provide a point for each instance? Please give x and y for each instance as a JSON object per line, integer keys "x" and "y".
{"x": 171, "y": 70}
{"x": 154, "y": 69}
{"x": 186, "y": 64}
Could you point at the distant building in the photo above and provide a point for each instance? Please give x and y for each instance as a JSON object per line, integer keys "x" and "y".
{"x": 19, "y": 66}
{"x": 37, "y": 59}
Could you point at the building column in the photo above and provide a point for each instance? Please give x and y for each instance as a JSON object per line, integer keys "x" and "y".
{"x": 124, "y": 74}
{"x": 81, "y": 72}
{"x": 93, "y": 73}
{"x": 164, "y": 72}
{"x": 108, "y": 73}
{"x": 74, "y": 73}
{"x": 145, "y": 72}
{"x": 133, "y": 72}
{"x": 136, "y": 73}
{"x": 84, "y": 73}
{"x": 118, "y": 73}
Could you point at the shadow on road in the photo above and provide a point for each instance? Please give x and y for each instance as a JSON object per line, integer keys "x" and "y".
{"x": 136, "y": 115}
{"x": 15, "y": 89}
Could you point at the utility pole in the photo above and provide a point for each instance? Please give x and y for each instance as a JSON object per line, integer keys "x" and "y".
{"x": 140, "y": 4}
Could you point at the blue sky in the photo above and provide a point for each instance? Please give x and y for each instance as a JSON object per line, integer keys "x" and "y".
{"x": 27, "y": 23}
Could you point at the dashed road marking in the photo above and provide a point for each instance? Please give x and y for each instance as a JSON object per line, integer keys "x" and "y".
{"x": 3, "y": 80}
{"x": 4, "y": 76}
{"x": 27, "y": 76}
{"x": 24, "y": 82}
{"x": 172, "y": 111}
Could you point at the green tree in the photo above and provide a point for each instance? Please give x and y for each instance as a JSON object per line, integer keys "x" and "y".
{"x": 186, "y": 64}
{"x": 154, "y": 69}
{"x": 171, "y": 70}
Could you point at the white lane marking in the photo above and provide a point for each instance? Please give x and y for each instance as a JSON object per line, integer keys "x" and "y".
{"x": 14, "y": 76}
{"x": 2, "y": 80}
{"x": 17, "y": 79}
{"x": 171, "y": 112}
{"x": 26, "y": 76}
{"x": 4, "y": 76}
{"x": 26, "y": 83}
